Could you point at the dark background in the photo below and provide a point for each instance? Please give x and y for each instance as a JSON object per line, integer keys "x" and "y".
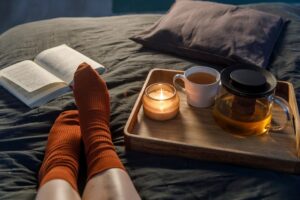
{"x": 14, "y": 12}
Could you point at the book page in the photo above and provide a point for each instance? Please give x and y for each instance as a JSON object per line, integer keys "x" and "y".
{"x": 29, "y": 76}
{"x": 37, "y": 97}
{"x": 63, "y": 61}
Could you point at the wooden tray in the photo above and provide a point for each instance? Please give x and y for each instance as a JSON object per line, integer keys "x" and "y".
{"x": 194, "y": 134}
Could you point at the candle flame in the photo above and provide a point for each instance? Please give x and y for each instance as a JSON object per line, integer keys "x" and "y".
{"x": 161, "y": 96}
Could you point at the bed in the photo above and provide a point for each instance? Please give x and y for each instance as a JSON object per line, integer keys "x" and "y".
{"x": 24, "y": 131}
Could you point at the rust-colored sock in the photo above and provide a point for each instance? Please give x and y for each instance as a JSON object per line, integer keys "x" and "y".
{"x": 62, "y": 151}
{"x": 92, "y": 99}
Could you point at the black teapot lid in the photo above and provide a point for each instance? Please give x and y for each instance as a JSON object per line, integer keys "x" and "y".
{"x": 248, "y": 81}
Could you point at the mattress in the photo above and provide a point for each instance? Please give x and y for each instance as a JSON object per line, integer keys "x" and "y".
{"x": 24, "y": 131}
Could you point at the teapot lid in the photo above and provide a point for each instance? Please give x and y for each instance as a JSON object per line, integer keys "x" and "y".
{"x": 248, "y": 81}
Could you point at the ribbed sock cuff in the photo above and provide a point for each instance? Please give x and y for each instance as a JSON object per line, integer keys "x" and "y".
{"x": 60, "y": 172}
{"x": 101, "y": 164}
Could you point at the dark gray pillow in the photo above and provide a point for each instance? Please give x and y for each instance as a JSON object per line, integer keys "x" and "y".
{"x": 216, "y": 33}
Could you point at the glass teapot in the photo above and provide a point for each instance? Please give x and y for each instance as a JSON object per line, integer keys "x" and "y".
{"x": 244, "y": 104}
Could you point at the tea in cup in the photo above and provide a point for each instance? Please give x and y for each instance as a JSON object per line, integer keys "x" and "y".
{"x": 201, "y": 85}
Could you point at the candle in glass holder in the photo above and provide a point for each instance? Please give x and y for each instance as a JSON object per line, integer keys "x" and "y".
{"x": 160, "y": 101}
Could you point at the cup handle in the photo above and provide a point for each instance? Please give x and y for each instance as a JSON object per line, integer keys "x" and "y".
{"x": 287, "y": 110}
{"x": 178, "y": 76}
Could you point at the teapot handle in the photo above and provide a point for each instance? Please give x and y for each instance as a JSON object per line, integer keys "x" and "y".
{"x": 287, "y": 110}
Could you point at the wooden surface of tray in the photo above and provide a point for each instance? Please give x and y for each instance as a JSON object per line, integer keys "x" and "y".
{"x": 193, "y": 133}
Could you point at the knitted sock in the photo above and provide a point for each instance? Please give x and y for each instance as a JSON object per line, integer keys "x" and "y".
{"x": 92, "y": 99}
{"x": 63, "y": 150}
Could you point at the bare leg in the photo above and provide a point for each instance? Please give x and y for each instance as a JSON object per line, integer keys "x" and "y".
{"x": 57, "y": 189}
{"x": 107, "y": 178}
{"x": 110, "y": 184}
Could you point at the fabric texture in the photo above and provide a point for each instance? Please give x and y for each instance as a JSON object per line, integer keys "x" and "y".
{"x": 24, "y": 131}
{"x": 92, "y": 99}
{"x": 63, "y": 150}
{"x": 215, "y": 33}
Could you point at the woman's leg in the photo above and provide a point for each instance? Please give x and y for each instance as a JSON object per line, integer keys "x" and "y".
{"x": 107, "y": 177}
{"x": 110, "y": 184}
{"x": 59, "y": 170}
{"x": 57, "y": 189}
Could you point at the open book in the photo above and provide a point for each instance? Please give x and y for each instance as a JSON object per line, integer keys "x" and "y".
{"x": 47, "y": 77}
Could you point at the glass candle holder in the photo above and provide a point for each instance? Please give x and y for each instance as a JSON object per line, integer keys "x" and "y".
{"x": 160, "y": 101}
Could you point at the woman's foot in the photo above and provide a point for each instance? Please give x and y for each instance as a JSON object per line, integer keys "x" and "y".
{"x": 63, "y": 150}
{"x": 92, "y": 99}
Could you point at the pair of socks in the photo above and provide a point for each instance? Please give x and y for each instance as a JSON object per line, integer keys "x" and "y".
{"x": 89, "y": 124}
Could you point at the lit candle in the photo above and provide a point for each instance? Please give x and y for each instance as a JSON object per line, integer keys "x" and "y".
{"x": 160, "y": 101}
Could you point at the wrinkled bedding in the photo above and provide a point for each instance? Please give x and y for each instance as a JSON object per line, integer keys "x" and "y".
{"x": 24, "y": 131}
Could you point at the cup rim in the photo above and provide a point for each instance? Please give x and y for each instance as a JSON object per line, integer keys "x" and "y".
{"x": 218, "y": 77}
{"x": 160, "y": 83}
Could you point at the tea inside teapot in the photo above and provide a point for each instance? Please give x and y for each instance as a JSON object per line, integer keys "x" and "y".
{"x": 241, "y": 115}
{"x": 243, "y": 106}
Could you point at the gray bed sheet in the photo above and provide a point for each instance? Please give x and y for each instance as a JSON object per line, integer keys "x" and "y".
{"x": 24, "y": 131}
